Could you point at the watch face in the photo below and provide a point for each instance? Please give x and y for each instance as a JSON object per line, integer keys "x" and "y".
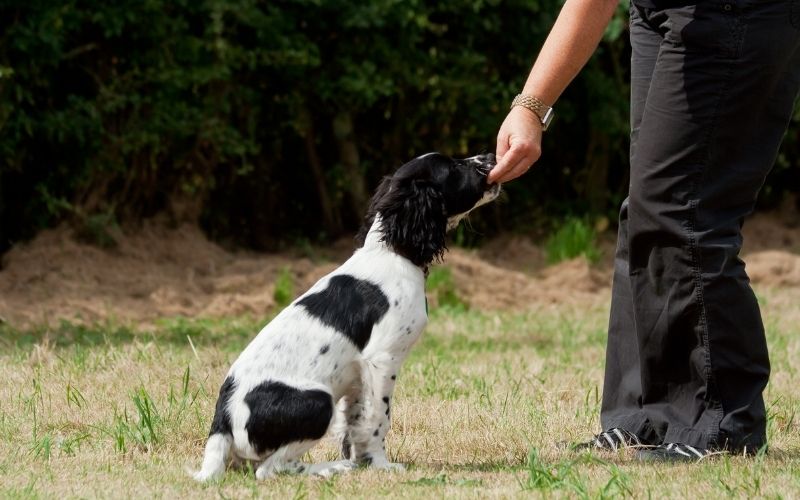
{"x": 547, "y": 118}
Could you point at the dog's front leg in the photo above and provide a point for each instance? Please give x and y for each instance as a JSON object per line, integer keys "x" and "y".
{"x": 368, "y": 434}
{"x": 351, "y": 408}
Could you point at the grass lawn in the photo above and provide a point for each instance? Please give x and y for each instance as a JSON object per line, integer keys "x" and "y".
{"x": 109, "y": 411}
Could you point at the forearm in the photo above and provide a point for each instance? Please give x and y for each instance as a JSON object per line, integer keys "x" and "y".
{"x": 571, "y": 42}
{"x": 574, "y": 37}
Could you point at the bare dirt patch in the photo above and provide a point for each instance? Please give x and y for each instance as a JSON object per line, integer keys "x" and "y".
{"x": 488, "y": 286}
{"x": 772, "y": 249}
{"x": 153, "y": 272}
{"x": 157, "y": 271}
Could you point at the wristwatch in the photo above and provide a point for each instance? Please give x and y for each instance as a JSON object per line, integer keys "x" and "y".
{"x": 540, "y": 109}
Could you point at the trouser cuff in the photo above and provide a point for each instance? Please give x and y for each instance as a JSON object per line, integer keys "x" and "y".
{"x": 685, "y": 435}
{"x": 634, "y": 423}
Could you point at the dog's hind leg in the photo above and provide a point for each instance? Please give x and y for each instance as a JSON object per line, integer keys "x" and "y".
{"x": 287, "y": 461}
{"x": 217, "y": 453}
{"x": 328, "y": 469}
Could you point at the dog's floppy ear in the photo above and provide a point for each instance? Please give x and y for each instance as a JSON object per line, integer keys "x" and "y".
{"x": 413, "y": 220}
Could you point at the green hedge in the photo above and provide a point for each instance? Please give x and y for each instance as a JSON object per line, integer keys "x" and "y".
{"x": 271, "y": 122}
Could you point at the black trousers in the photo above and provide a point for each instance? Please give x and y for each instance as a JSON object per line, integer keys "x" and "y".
{"x": 712, "y": 91}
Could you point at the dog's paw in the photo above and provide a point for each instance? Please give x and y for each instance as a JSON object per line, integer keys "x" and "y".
{"x": 328, "y": 469}
{"x": 202, "y": 476}
{"x": 389, "y": 466}
{"x": 264, "y": 473}
{"x": 378, "y": 460}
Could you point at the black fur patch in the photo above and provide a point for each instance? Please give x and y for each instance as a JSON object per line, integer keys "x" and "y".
{"x": 280, "y": 414}
{"x": 417, "y": 200}
{"x": 350, "y": 306}
{"x": 222, "y": 420}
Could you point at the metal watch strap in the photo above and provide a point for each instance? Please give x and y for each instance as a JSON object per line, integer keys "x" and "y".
{"x": 534, "y": 104}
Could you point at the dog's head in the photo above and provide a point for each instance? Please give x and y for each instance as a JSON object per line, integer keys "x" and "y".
{"x": 424, "y": 199}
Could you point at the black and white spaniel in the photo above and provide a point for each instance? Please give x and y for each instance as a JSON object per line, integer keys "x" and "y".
{"x": 339, "y": 346}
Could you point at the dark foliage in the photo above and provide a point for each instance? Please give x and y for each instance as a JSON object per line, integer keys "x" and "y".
{"x": 270, "y": 122}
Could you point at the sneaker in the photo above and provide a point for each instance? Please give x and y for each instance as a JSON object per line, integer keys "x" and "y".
{"x": 610, "y": 440}
{"x": 675, "y": 452}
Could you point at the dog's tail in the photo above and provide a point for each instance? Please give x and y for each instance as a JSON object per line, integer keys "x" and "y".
{"x": 218, "y": 451}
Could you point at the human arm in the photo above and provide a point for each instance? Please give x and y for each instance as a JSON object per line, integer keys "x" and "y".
{"x": 571, "y": 42}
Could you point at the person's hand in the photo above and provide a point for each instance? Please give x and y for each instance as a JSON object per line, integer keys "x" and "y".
{"x": 519, "y": 145}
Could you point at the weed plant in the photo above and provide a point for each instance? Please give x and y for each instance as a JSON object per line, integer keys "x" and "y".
{"x": 574, "y": 238}
{"x": 284, "y": 288}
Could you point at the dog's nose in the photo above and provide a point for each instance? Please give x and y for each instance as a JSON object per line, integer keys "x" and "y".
{"x": 486, "y": 160}
{"x": 485, "y": 163}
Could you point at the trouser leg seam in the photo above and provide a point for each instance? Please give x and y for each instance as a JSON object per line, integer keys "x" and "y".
{"x": 691, "y": 227}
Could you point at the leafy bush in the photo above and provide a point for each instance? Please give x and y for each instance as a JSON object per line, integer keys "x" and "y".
{"x": 575, "y": 237}
{"x": 272, "y": 121}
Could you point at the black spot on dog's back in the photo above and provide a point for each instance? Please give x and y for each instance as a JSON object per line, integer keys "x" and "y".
{"x": 222, "y": 419}
{"x": 280, "y": 414}
{"x": 349, "y": 305}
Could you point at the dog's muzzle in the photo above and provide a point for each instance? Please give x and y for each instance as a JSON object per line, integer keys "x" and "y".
{"x": 485, "y": 164}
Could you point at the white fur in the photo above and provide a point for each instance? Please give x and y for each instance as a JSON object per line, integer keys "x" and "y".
{"x": 364, "y": 376}
{"x": 360, "y": 383}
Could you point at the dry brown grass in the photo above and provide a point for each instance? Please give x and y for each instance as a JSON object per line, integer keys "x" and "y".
{"x": 477, "y": 395}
